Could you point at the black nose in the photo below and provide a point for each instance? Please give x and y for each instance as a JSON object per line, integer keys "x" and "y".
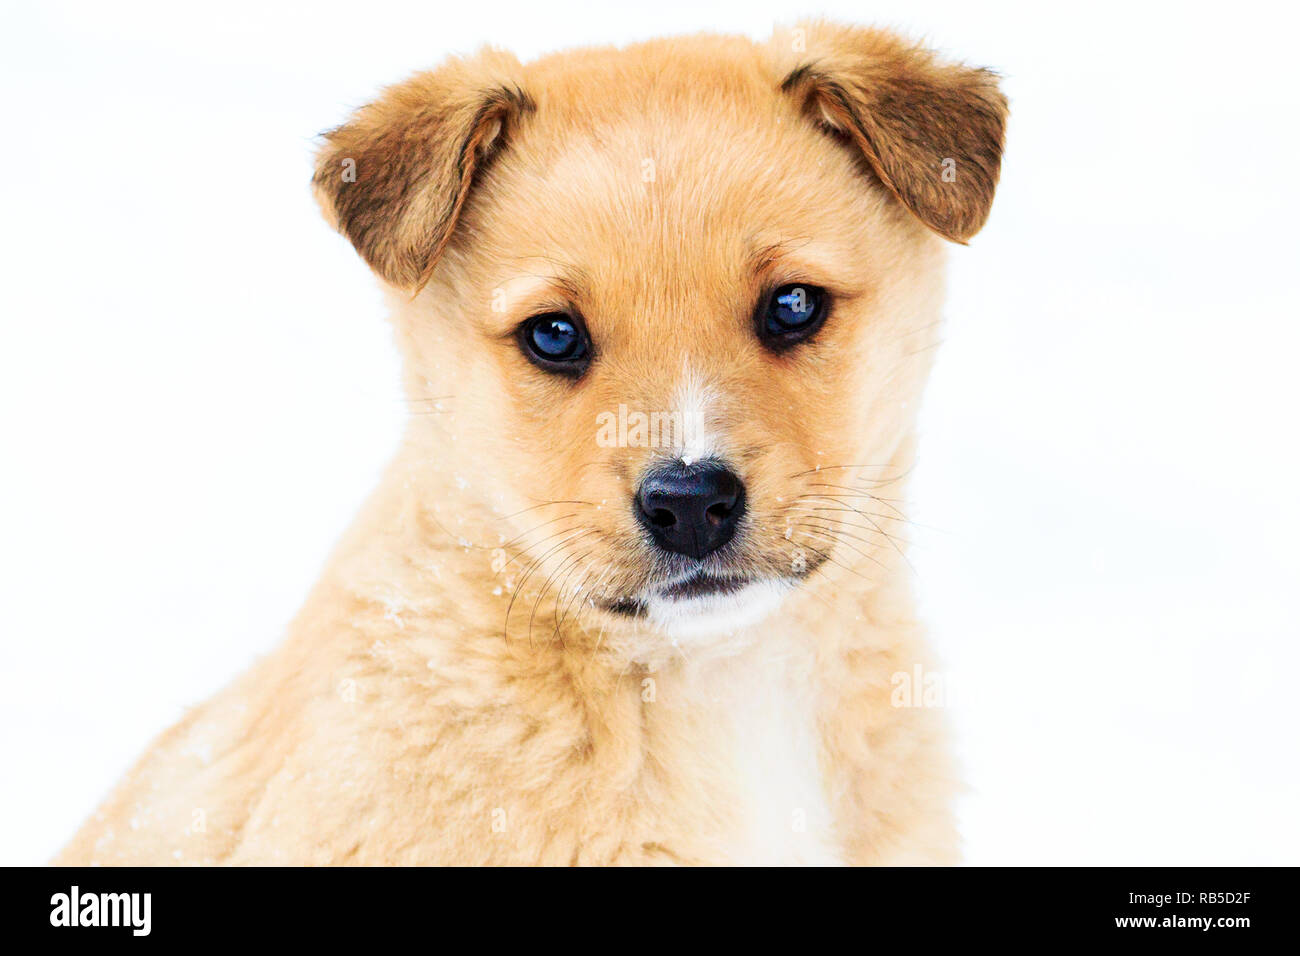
{"x": 691, "y": 509}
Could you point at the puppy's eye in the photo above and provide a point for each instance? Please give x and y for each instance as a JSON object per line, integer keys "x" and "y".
{"x": 791, "y": 314}
{"x": 556, "y": 342}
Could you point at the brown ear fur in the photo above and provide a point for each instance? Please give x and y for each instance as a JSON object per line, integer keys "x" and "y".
{"x": 394, "y": 178}
{"x": 907, "y": 112}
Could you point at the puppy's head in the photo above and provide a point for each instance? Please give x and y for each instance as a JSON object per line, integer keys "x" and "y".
{"x": 675, "y": 300}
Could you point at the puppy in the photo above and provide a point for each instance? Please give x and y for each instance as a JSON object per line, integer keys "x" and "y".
{"x": 632, "y": 590}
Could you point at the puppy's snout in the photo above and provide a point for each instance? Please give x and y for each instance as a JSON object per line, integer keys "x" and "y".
{"x": 691, "y": 509}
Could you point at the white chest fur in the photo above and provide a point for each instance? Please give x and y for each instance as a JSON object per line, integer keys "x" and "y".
{"x": 762, "y": 721}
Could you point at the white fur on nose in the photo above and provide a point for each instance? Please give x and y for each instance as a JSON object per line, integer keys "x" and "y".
{"x": 694, "y": 440}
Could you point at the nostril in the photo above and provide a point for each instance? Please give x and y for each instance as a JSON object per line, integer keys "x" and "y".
{"x": 717, "y": 514}
{"x": 662, "y": 518}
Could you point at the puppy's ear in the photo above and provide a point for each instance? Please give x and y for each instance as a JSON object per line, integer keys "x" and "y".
{"x": 394, "y": 178}
{"x": 931, "y": 132}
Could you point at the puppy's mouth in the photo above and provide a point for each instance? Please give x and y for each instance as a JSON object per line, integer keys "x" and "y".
{"x": 695, "y": 585}
{"x": 708, "y": 586}
{"x": 703, "y": 584}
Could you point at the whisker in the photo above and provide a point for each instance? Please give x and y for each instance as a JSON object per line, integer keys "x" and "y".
{"x": 918, "y": 329}
{"x": 882, "y": 531}
{"x": 525, "y": 534}
{"x": 869, "y": 517}
{"x": 839, "y": 532}
{"x": 813, "y": 471}
{"x": 413, "y": 403}
{"x": 844, "y": 519}
{"x": 827, "y": 557}
{"x": 570, "y": 560}
{"x": 841, "y": 505}
{"x": 857, "y": 493}
{"x": 926, "y": 348}
{"x": 519, "y": 588}
{"x": 562, "y": 615}
{"x": 559, "y": 591}
{"x": 845, "y": 515}
{"x": 541, "y": 505}
{"x": 462, "y": 541}
{"x": 809, "y": 529}
{"x": 524, "y": 550}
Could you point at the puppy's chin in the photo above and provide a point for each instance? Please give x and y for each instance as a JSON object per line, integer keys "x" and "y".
{"x": 698, "y": 617}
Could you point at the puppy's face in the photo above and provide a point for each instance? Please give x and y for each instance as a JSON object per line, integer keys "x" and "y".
{"x": 677, "y": 301}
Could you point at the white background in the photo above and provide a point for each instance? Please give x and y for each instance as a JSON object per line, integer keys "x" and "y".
{"x": 198, "y": 388}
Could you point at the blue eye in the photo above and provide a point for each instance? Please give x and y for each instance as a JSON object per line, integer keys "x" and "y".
{"x": 791, "y": 314}
{"x": 554, "y": 338}
{"x": 555, "y": 342}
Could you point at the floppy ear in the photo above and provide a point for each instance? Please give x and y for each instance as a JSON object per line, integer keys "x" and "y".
{"x": 394, "y": 178}
{"x": 931, "y": 132}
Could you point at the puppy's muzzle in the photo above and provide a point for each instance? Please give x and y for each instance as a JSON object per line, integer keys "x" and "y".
{"x": 691, "y": 509}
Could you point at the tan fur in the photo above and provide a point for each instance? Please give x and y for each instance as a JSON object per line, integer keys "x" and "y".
{"x": 454, "y": 690}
